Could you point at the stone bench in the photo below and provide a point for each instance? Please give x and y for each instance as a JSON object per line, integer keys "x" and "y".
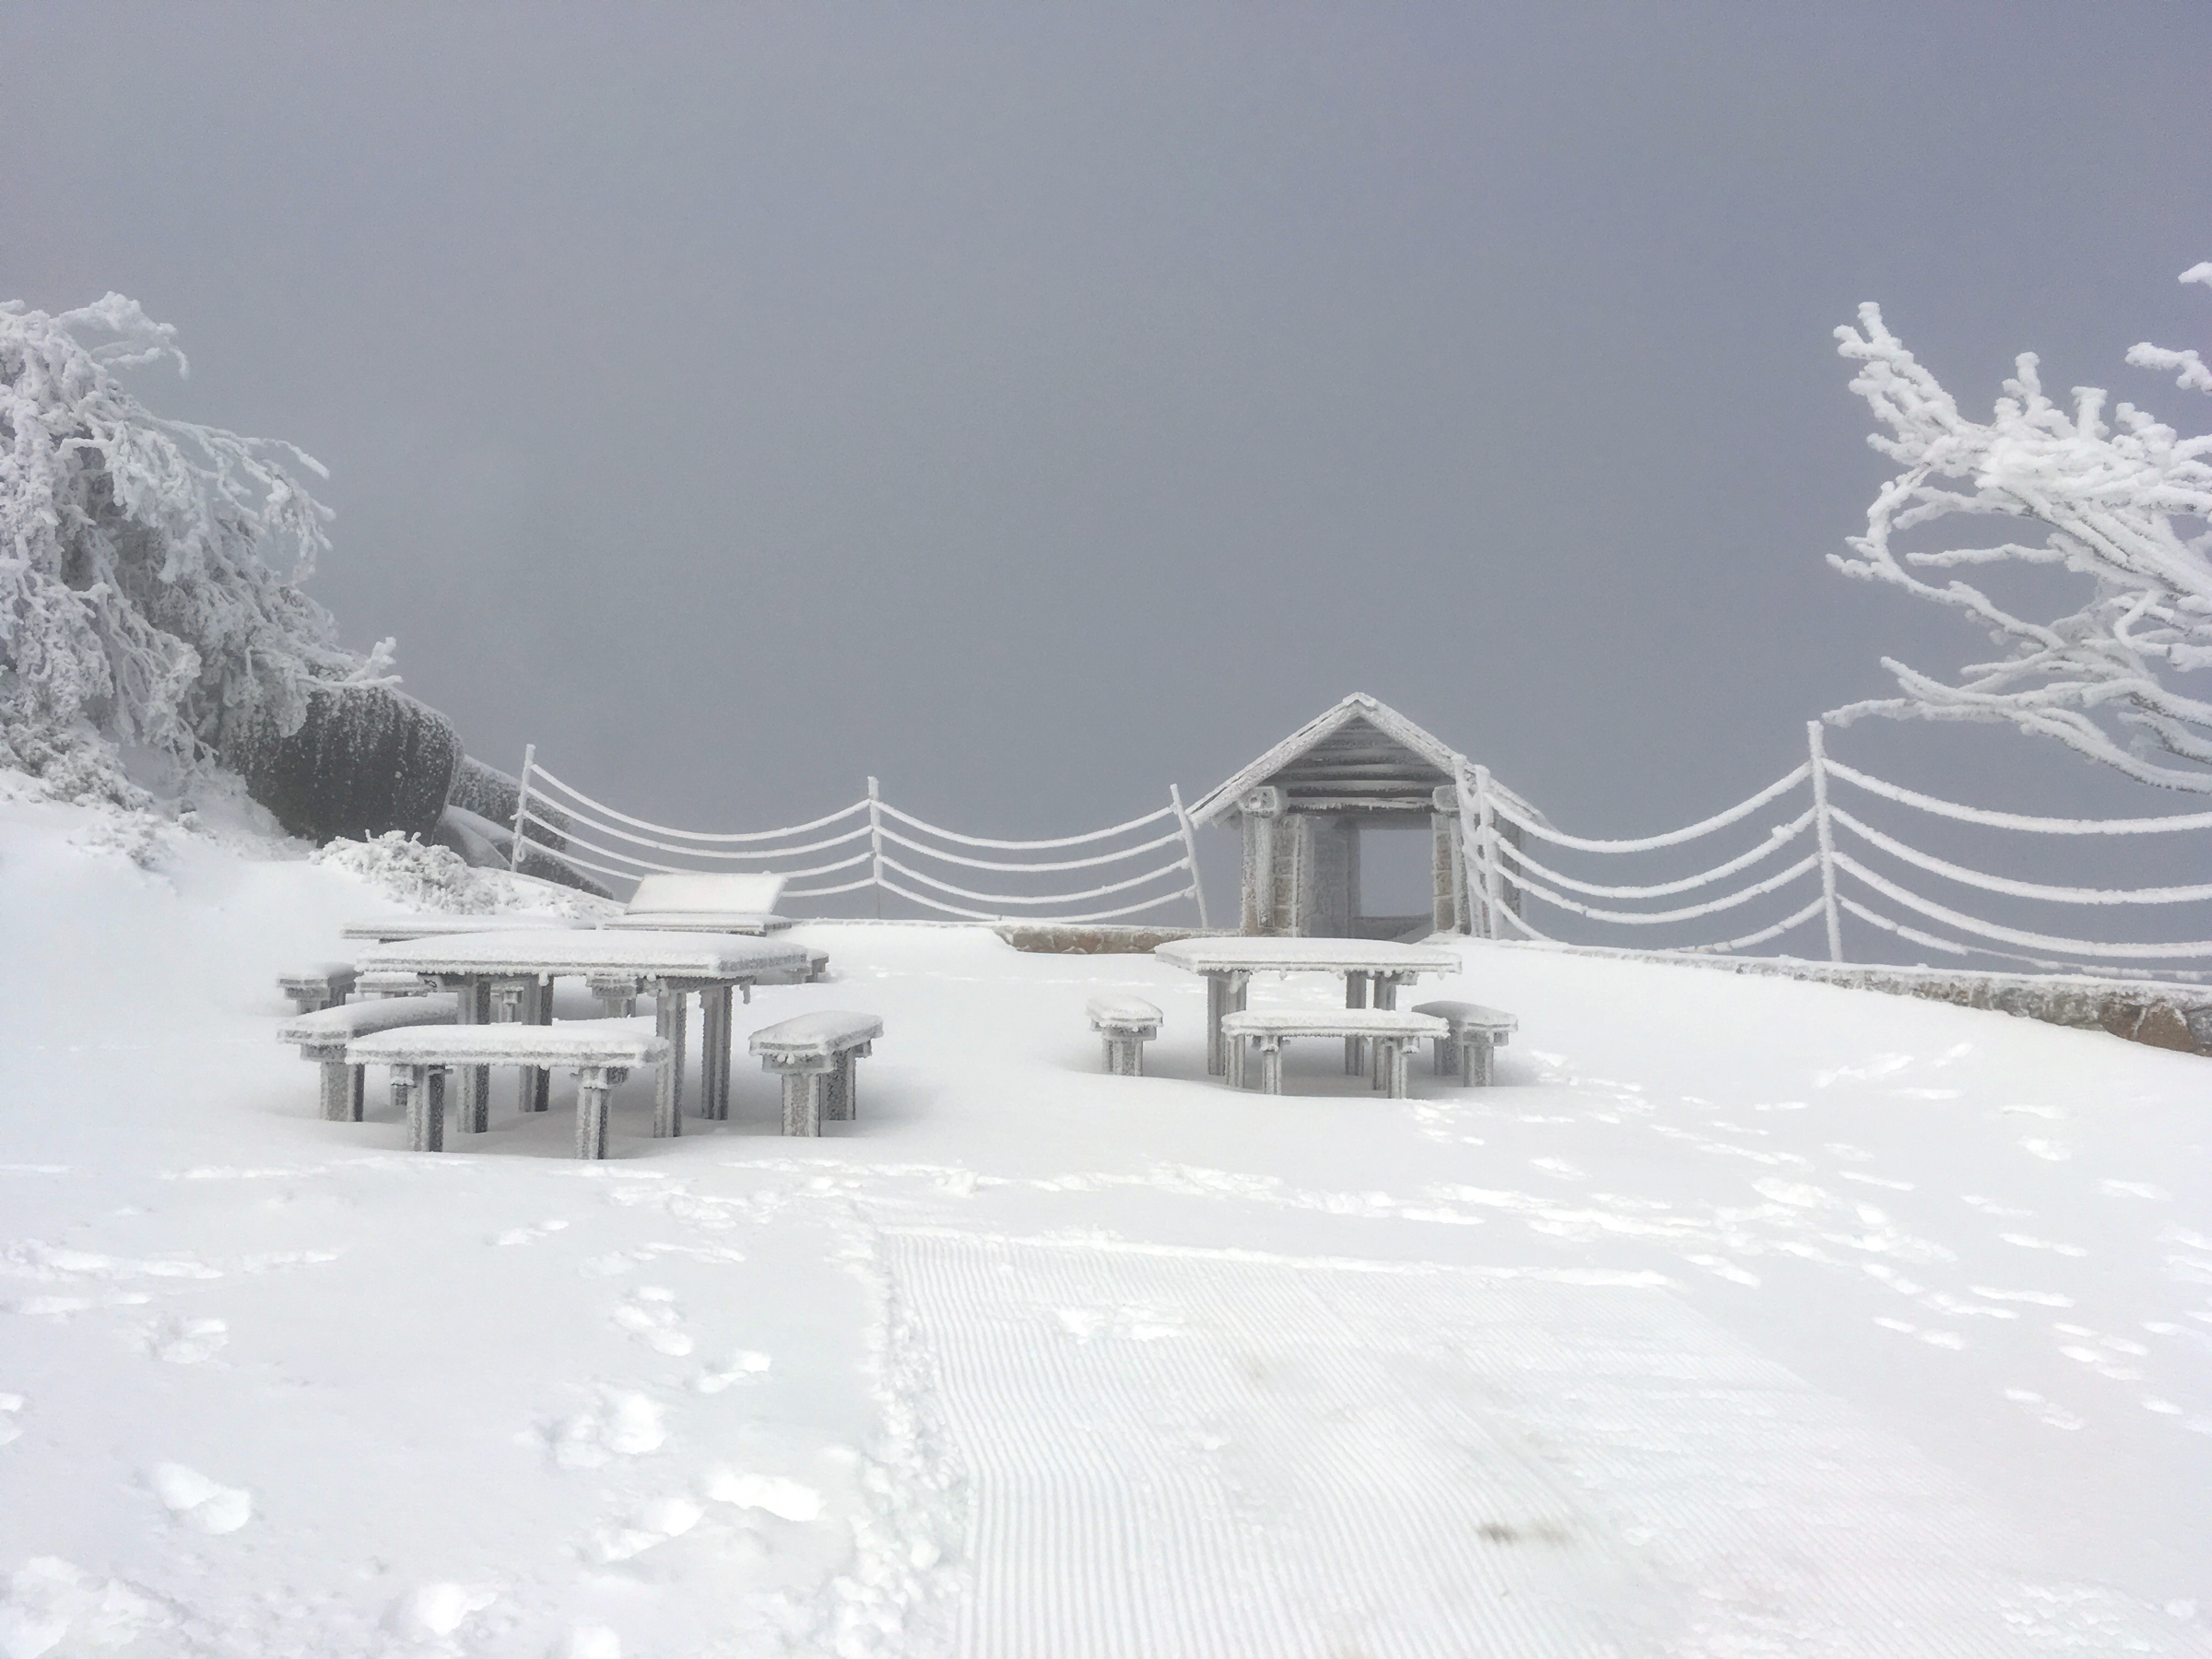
{"x": 323, "y": 1034}
{"x": 1389, "y": 1034}
{"x": 1127, "y": 1023}
{"x": 1475, "y": 1032}
{"x": 325, "y": 985}
{"x": 599, "y": 1053}
{"x": 816, "y": 1056}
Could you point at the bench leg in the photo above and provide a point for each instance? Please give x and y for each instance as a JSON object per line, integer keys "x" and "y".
{"x": 592, "y": 1090}
{"x": 1446, "y": 1058}
{"x": 1234, "y": 1072}
{"x": 1355, "y": 1048}
{"x": 836, "y": 1090}
{"x": 667, "y": 1083}
{"x": 1124, "y": 1055}
{"x": 1477, "y": 1061}
{"x": 1400, "y": 1054}
{"x": 1271, "y": 1066}
{"x": 360, "y": 1090}
{"x": 803, "y": 1102}
{"x": 339, "y": 1094}
{"x": 419, "y": 1091}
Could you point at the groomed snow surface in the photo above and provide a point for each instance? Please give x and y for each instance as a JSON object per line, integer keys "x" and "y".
{"x": 1743, "y": 1317}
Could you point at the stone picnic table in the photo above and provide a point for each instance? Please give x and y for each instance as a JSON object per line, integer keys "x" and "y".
{"x": 1372, "y": 969}
{"x": 671, "y": 965}
{"x": 385, "y": 929}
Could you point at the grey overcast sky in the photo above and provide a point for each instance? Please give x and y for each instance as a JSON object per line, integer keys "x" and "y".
{"x": 1034, "y": 405}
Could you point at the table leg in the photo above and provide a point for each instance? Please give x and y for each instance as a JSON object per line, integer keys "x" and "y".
{"x": 1232, "y": 1071}
{"x": 472, "y": 1006}
{"x": 591, "y": 1087}
{"x": 1218, "y": 1000}
{"x": 534, "y": 1084}
{"x": 669, "y": 1083}
{"x": 714, "y": 1052}
{"x": 1355, "y": 1048}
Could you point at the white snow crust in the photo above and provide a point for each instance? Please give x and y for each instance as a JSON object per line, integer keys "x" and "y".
{"x": 1743, "y": 1318}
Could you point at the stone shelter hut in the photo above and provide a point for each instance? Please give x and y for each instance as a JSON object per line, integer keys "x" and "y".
{"x": 1306, "y": 806}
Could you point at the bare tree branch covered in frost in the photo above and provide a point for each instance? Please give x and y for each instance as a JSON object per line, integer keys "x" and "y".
{"x": 149, "y": 568}
{"x": 2126, "y": 503}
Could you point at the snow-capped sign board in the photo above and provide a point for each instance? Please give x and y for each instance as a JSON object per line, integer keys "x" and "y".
{"x": 1304, "y": 804}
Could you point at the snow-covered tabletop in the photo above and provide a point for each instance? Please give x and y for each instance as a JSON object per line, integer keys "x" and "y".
{"x": 522, "y": 953}
{"x": 426, "y": 927}
{"x": 734, "y": 922}
{"x": 1228, "y": 963}
{"x": 1245, "y": 954}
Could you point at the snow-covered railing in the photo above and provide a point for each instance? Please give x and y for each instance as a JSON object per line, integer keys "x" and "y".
{"x": 1505, "y": 878}
{"x": 873, "y": 844}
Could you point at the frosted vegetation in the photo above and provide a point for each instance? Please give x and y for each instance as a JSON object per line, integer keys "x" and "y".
{"x": 2126, "y": 502}
{"x": 149, "y": 568}
{"x": 437, "y": 879}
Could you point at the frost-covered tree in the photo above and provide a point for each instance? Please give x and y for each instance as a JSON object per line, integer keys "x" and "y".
{"x": 149, "y": 568}
{"x": 2124, "y": 502}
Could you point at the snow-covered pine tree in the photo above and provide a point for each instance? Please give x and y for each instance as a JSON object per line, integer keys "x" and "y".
{"x": 2124, "y": 503}
{"x": 149, "y": 568}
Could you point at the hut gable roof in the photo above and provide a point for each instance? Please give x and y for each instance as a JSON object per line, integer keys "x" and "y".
{"x": 1360, "y": 754}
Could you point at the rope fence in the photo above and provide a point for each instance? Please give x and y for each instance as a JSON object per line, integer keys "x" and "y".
{"x": 1506, "y": 881}
{"x": 890, "y": 851}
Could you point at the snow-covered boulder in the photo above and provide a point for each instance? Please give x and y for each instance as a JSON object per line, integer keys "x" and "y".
{"x": 366, "y": 759}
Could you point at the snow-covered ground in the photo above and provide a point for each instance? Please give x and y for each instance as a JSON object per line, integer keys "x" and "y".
{"x": 1745, "y": 1318}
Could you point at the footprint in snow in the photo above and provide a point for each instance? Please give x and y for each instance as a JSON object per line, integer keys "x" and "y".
{"x": 198, "y": 1501}
{"x": 2028, "y": 1241}
{"x": 11, "y": 1407}
{"x": 741, "y": 1367}
{"x": 651, "y": 1316}
{"x": 2134, "y": 1189}
{"x": 622, "y": 1425}
{"x": 789, "y": 1499}
{"x": 435, "y": 1611}
{"x": 2042, "y": 1410}
{"x": 186, "y": 1341}
{"x": 670, "y": 1518}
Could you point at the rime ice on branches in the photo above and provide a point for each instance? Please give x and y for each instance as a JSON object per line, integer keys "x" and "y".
{"x": 150, "y": 568}
{"x": 2127, "y": 503}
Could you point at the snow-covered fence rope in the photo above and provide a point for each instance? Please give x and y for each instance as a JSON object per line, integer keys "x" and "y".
{"x": 1779, "y": 836}
{"x": 2015, "y": 820}
{"x": 1720, "y": 820}
{"x": 595, "y": 836}
{"x": 1502, "y": 879}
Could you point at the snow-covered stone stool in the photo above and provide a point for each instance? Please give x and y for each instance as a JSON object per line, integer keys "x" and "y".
{"x": 389, "y": 981}
{"x": 815, "y": 1055}
{"x": 1389, "y": 1034}
{"x": 323, "y": 1034}
{"x": 323, "y": 986}
{"x": 1127, "y": 1023}
{"x": 1476, "y": 1033}
{"x": 597, "y": 1052}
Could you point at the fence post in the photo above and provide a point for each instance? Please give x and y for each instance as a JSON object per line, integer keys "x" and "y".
{"x": 1493, "y": 883}
{"x": 1190, "y": 851}
{"x": 876, "y": 843}
{"x": 1826, "y": 834}
{"x": 521, "y": 804}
